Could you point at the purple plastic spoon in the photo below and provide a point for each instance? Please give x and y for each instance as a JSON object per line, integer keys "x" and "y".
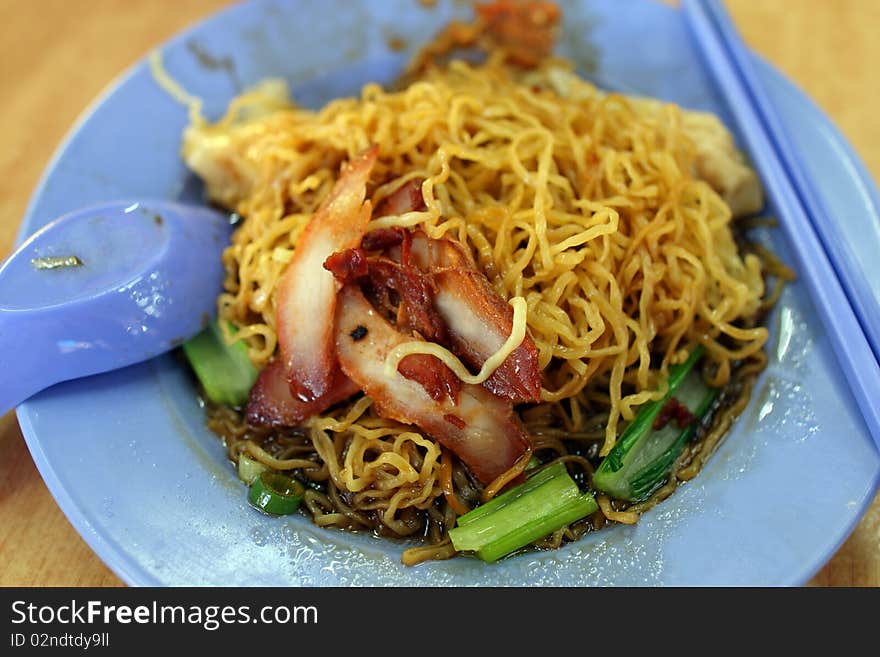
{"x": 105, "y": 287}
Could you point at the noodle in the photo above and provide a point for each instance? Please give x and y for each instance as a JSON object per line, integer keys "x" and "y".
{"x": 452, "y": 362}
{"x": 585, "y": 208}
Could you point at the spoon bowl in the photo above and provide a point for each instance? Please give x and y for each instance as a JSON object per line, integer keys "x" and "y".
{"x": 104, "y": 287}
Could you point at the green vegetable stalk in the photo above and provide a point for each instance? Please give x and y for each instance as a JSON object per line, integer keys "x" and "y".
{"x": 224, "y": 370}
{"x": 548, "y": 501}
{"x": 641, "y": 459}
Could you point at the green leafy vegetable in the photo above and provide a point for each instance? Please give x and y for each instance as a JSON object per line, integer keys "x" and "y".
{"x": 224, "y": 370}
{"x": 548, "y": 501}
{"x": 641, "y": 459}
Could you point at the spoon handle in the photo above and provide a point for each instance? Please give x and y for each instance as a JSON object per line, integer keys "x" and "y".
{"x": 26, "y": 357}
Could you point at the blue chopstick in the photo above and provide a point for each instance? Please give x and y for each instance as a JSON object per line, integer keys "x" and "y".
{"x": 863, "y": 300}
{"x": 845, "y": 303}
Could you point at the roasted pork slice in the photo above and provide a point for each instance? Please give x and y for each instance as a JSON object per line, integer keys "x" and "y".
{"x": 381, "y": 239}
{"x": 478, "y": 323}
{"x": 438, "y": 380}
{"x": 412, "y": 302}
{"x": 444, "y": 297}
{"x": 481, "y": 428}
{"x": 307, "y": 291}
{"x": 429, "y": 254}
{"x": 406, "y": 198}
{"x": 414, "y": 248}
{"x": 271, "y": 402}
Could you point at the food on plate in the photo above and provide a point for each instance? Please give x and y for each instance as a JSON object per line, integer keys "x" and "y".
{"x": 490, "y": 308}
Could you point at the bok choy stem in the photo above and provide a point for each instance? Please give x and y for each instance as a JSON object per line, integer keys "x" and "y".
{"x": 548, "y": 501}
{"x": 643, "y": 456}
{"x": 224, "y": 370}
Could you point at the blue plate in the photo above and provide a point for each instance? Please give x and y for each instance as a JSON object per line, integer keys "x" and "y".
{"x": 128, "y": 458}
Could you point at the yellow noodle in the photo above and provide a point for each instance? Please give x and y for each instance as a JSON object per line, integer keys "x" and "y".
{"x": 624, "y": 517}
{"x": 517, "y": 334}
{"x": 583, "y": 209}
{"x": 174, "y": 89}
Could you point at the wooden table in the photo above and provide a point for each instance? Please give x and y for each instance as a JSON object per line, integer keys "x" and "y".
{"x": 56, "y": 55}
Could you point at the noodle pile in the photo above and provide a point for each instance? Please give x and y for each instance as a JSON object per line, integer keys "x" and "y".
{"x": 585, "y": 204}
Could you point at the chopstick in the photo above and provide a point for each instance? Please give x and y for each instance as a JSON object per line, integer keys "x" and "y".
{"x": 849, "y": 311}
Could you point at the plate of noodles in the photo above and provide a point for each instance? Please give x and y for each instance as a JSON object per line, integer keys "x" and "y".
{"x": 503, "y": 306}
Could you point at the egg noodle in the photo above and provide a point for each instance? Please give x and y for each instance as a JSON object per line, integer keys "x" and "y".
{"x": 582, "y": 205}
